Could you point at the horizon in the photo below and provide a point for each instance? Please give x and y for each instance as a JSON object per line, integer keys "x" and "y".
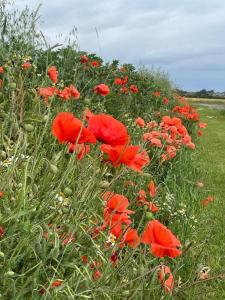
{"x": 190, "y": 47}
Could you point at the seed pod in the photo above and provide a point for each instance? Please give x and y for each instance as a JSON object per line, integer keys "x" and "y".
{"x": 28, "y": 127}
{"x": 10, "y": 273}
{"x": 68, "y": 191}
{"x": 104, "y": 184}
{"x": 53, "y": 169}
{"x": 3, "y": 155}
{"x": 12, "y": 85}
{"x": 149, "y": 215}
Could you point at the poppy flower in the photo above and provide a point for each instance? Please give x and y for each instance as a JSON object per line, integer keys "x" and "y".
{"x": 161, "y": 239}
{"x": 124, "y": 80}
{"x": 166, "y": 101}
{"x": 140, "y": 122}
{"x": 202, "y": 125}
{"x": 134, "y": 89}
{"x": 152, "y": 124}
{"x": 87, "y": 114}
{"x": 1, "y": 194}
{"x": 200, "y": 133}
{"x": 95, "y": 64}
{"x": 108, "y": 130}
{"x": 122, "y": 69}
{"x": 84, "y": 59}
{"x": 124, "y": 90}
{"x": 96, "y": 275}
{"x": 152, "y": 188}
{"x": 68, "y": 129}
{"x": 56, "y": 283}
{"x": 47, "y": 92}
{"x": 64, "y": 94}
{"x": 156, "y": 94}
{"x": 1, "y": 70}
{"x": 101, "y": 89}
{"x": 2, "y": 231}
{"x": 53, "y": 74}
{"x": 131, "y": 238}
{"x": 127, "y": 155}
{"x": 118, "y": 81}
{"x": 26, "y": 65}
{"x": 166, "y": 278}
{"x": 74, "y": 92}
{"x": 84, "y": 259}
{"x": 208, "y": 200}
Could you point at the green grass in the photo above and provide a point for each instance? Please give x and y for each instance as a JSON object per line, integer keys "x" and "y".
{"x": 206, "y": 100}
{"x": 210, "y": 159}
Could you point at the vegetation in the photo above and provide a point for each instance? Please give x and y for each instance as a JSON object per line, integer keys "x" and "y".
{"x": 100, "y": 194}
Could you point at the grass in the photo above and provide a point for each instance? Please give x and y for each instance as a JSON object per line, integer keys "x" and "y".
{"x": 210, "y": 159}
{"x": 206, "y": 100}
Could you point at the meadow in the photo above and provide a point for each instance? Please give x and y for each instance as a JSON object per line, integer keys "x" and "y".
{"x": 105, "y": 186}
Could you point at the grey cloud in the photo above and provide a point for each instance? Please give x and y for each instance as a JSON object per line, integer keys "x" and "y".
{"x": 186, "y": 38}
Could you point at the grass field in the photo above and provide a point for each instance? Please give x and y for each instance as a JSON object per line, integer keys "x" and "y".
{"x": 210, "y": 160}
{"x": 206, "y": 100}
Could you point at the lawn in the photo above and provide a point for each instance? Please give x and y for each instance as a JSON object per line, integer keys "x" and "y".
{"x": 210, "y": 160}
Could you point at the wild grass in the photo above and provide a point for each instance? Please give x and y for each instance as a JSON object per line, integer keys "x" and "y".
{"x": 52, "y": 202}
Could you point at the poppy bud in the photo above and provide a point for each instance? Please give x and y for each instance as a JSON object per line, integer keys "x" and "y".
{"x": 2, "y": 255}
{"x": 45, "y": 118}
{"x": 35, "y": 188}
{"x": 12, "y": 85}
{"x": 53, "y": 168}
{"x": 104, "y": 184}
{"x": 87, "y": 100}
{"x": 126, "y": 293}
{"x": 28, "y": 127}
{"x": 68, "y": 191}
{"x": 149, "y": 215}
{"x": 9, "y": 274}
{"x": 3, "y": 155}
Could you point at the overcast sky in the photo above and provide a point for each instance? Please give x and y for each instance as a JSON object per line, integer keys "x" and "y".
{"x": 185, "y": 38}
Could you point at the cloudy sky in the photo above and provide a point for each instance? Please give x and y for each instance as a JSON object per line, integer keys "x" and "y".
{"x": 185, "y": 38}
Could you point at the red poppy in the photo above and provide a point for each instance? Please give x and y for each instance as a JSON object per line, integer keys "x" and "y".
{"x": 53, "y": 74}
{"x": 1, "y": 70}
{"x": 156, "y": 94}
{"x": 152, "y": 124}
{"x": 108, "y": 130}
{"x": 163, "y": 242}
{"x": 124, "y": 80}
{"x": 140, "y": 122}
{"x": 101, "y": 89}
{"x": 152, "y": 188}
{"x": 74, "y": 92}
{"x": 95, "y": 64}
{"x": 1, "y": 231}
{"x": 84, "y": 259}
{"x": 64, "y": 94}
{"x": 166, "y": 101}
{"x": 200, "y": 133}
{"x": 96, "y": 275}
{"x": 47, "y": 92}
{"x": 202, "y": 125}
{"x": 131, "y": 238}
{"x": 208, "y": 200}
{"x": 84, "y": 59}
{"x": 26, "y": 65}
{"x": 134, "y": 89}
{"x": 166, "y": 278}
{"x": 87, "y": 114}
{"x": 127, "y": 155}
{"x": 68, "y": 129}
{"x": 1, "y": 194}
{"x": 118, "y": 81}
{"x": 56, "y": 283}
{"x": 122, "y": 69}
{"x": 124, "y": 90}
